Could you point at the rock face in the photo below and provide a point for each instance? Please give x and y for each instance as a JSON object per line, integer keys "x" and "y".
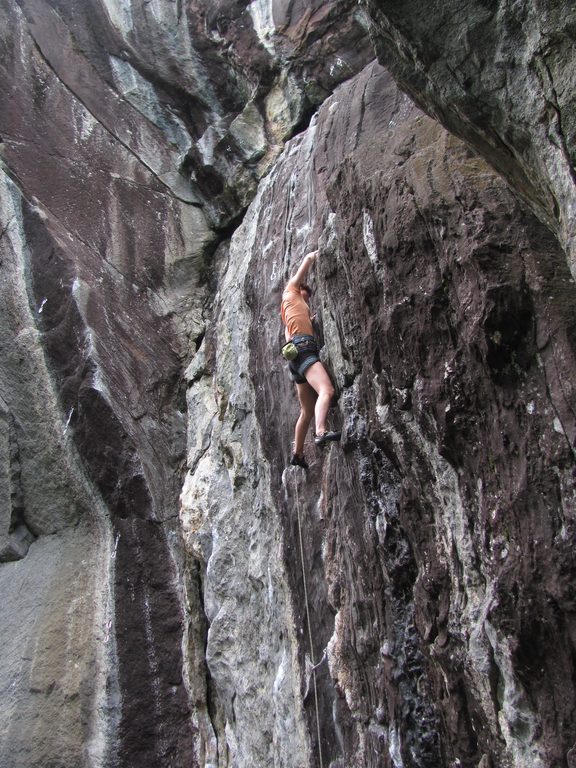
{"x": 501, "y": 76}
{"x": 172, "y": 593}
{"x": 433, "y": 562}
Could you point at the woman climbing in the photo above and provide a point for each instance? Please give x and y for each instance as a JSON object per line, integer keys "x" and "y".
{"x": 315, "y": 390}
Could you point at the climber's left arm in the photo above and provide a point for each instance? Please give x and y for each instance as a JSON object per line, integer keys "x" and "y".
{"x": 297, "y": 279}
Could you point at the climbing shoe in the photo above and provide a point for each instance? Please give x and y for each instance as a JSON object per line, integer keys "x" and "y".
{"x": 325, "y": 437}
{"x": 299, "y": 461}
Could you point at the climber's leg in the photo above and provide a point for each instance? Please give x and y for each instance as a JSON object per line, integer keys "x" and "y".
{"x": 318, "y": 378}
{"x": 307, "y": 397}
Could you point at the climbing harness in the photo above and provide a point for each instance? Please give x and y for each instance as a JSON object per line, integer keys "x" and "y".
{"x": 297, "y": 344}
{"x": 314, "y": 666}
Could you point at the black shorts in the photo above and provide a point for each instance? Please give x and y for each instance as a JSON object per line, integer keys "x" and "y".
{"x": 307, "y": 356}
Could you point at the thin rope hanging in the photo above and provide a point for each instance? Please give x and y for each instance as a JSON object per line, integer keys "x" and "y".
{"x": 314, "y": 665}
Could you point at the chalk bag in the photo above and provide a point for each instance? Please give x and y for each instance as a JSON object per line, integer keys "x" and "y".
{"x": 289, "y": 351}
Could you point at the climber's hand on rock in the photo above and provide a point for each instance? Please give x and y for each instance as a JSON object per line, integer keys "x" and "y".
{"x": 312, "y": 256}
{"x": 304, "y": 268}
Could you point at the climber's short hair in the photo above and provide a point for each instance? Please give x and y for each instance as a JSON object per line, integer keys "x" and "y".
{"x": 306, "y": 287}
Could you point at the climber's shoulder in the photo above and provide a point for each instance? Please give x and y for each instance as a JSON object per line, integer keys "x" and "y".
{"x": 291, "y": 290}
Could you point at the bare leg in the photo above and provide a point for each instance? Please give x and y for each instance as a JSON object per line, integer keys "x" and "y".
{"x": 318, "y": 378}
{"x": 307, "y": 397}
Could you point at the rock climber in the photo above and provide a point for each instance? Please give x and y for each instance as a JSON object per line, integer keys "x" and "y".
{"x": 313, "y": 384}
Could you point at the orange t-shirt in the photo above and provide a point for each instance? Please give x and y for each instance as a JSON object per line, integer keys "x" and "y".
{"x": 295, "y": 313}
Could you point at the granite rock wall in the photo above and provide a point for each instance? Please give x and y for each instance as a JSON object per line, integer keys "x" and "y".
{"x": 172, "y": 593}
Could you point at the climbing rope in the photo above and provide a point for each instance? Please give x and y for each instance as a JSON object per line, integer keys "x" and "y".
{"x": 314, "y": 666}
